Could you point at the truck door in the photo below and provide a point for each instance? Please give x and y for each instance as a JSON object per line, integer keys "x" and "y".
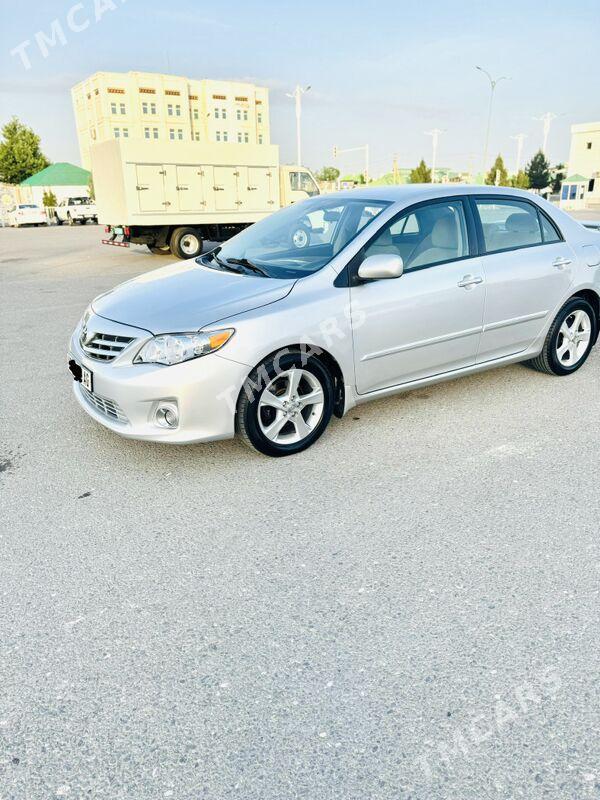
{"x": 259, "y": 189}
{"x": 225, "y": 188}
{"x": 190, "y": 189}
{"x": 150, "y": 187}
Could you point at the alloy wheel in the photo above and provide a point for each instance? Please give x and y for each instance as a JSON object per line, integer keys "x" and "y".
{"x": 291, "y": 406}
{"x": 573, "y": 338}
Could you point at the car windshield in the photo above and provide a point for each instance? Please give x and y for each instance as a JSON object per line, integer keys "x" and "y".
{"x": 298, "y": 240}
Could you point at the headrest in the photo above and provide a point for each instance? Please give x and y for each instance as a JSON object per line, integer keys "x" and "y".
{"x": 384, "y": 239}
{"x": 521, "y": 222}
{"x": 443, "y": 233}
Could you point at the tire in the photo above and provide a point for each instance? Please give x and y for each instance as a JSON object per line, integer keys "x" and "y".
{"x": 70, "y": 220}
{"x": 300, "y": 238}
{"x": 562, "y": 355}
{"x": 58, "y": 219}
{"x": 159, "y": 251}
{"x": 186, "y": 243}
{"x": 298, "y": 425}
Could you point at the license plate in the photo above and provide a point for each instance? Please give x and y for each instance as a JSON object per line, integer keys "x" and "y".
{"x": 82, "y": 375}
{"x": 87, "y": 379}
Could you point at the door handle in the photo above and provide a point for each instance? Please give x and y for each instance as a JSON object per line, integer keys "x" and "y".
{"x": 559, "y": 263}
{"x": 470, "y": 280}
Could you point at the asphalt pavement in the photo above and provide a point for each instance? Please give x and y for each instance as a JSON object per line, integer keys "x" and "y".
{"x": 409, "y": 609}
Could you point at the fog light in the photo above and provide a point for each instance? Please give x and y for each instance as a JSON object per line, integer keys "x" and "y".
{"x": 167, "y": 416}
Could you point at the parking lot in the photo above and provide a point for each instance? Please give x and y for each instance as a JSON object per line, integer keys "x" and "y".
{"x": 410, "y": 608}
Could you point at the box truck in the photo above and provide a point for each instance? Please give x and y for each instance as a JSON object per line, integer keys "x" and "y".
{"x": 171, "y": 196}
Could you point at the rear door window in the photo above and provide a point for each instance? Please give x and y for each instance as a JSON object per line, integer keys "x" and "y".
{"x": 508, "y": 224}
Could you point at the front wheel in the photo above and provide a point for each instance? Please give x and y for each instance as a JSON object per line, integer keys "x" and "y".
{"x": 285, "y": 405}
{"x": 569, "y": 340}
{"x": 58, "y": 219}
{"x": 70, "y": 220}
{"x": 186, "y": 243}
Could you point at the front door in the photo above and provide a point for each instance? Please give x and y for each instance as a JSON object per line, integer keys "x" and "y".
{"x": 429, "y": 320}
{"x": 528, "y": 272}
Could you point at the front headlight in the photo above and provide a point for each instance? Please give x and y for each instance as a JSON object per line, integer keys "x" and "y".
{"x": 173, "y": 348}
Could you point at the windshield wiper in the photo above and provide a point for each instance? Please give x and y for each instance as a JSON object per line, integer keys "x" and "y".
{"x": 223, "y": 264}
{"x": 243, "y": 262}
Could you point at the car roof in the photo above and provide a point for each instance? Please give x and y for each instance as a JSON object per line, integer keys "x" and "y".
{"x": 414, "y": 192}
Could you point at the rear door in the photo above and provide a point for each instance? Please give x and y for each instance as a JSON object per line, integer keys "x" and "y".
{"x": 528, "y": 272}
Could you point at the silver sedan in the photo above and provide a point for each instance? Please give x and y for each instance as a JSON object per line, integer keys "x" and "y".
{"x": 332, "y": 302}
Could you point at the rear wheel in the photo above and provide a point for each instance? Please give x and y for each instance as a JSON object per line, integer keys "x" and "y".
{"x": 569, "y": 340}
{"x": 186, "y": 243}
{"x": 159, "y": 251}
{"x": 285, "y": 405}
{"x": 58, "y": 219}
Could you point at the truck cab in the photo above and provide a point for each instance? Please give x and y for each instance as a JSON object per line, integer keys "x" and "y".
{"x": 295, "y": 183}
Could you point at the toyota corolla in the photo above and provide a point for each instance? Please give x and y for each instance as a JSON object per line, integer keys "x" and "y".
{"x": 332, "y": 302}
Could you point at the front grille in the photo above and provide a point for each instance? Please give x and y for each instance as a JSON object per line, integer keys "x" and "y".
{"x": 104, "y": 346}
{"x": 107, "y": 407}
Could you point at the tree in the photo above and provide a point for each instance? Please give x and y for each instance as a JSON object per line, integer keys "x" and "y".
{"x": 421, "y": 174}
{"x": 538, "y": 171}
{"x": 20, "y": 154}
{"x": 328, "y": 174}
{"x": 49, "y": 199}
{"x": 520, "y": 180}
{"x": 557, "y": 175}
{"x": 497, "y": 176}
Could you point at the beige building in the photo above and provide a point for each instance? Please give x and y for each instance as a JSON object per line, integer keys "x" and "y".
{"x": 581, "y": 188}
{"x": 147, "y": 105}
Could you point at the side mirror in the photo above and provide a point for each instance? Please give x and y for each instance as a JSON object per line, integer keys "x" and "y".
{"x": 380, "y": 267}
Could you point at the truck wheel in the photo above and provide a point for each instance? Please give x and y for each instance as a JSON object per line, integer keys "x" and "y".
{"x": 58, "y": 219}
{"x": 70, "y": 219}
{"x": 159, "y": 251}
{"x": 186, "y": 243}
{"x": 300, "y": 238}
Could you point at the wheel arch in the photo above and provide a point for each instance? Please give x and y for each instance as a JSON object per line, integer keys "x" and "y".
{"x": 328, "y": 361}
{"x": 593, "y": 298}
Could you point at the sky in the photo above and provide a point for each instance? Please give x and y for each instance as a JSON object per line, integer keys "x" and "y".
{"x": 381, "y": 73}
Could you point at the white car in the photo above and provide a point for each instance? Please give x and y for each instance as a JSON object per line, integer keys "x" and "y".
{"x": 271, "y": 334}
{"x": 75, "y": 209}
{"x": 27, "y": 214}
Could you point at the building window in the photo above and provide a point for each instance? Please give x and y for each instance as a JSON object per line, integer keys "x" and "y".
{"x": 177, "y": 111}
{"x": 245, "y": 138}
{"x": 195, "y": 113}
{"x": 589, "y": 145}
{"x": 223, "y": 113}
{"x": 238, "y": 114}
{"x": 564, "y": 195}
{"x": 217, "y": 113}
{"x": 146, "y": 133}
{"x": 218, "y": 136}
{"x": 155, "y": 133}
{"x": 153, "y": 108}
{"x": 144, "y": 108}
{"x": 573, "y": 191}
{"x": 225, "y": 136}
{"x": 172, "y": 133}
{"x": 170, "y": 110}
{"x": 197, "y": 136}
{"x": 116, "y": 132}
{"x": 122, "y": 107}
{"x": 113, "y": 108}
{"x": 245, "y": 116}
{"x": 125, "y": 133}
{"x": 180, "y": 134}
{"x": 239, "y": 137}
{"x": 260, "y": 138}
{"x": 591, "y": 185}
{"x": 259, "y": 117}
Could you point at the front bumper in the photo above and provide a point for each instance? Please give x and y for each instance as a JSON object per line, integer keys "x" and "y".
{"x": 126, "y": 396}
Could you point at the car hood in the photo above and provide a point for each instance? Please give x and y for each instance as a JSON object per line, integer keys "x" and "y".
{"x": 186, "y": 297}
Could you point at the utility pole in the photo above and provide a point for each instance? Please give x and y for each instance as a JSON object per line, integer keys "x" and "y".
{"x": 297, "y": 96}
{"x": 493, "y": 83}
{"x": 435, "y": 133}
{"x": 547, "y": 119}
{"x": 519, "y": 138}
{"x": 395, "y": 170}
